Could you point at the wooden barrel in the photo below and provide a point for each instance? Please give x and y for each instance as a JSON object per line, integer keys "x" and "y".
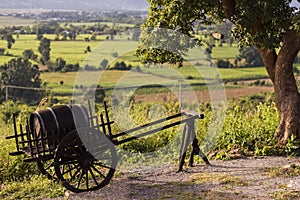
{"x": 55, "y": 122}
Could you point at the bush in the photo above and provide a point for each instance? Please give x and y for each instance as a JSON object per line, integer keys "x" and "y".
{"x": 250, "y": 56}
{"x": 115, "y": 54}
{"x": 71, "y": 68}
{"x": 223, "y": 64}
{"x": 2, "y": 51}
{"x": 121, "y": 66}
{"x": 90, "y": 68}
{"x": 249, "y": 125}
{"x": 29, "y": 54}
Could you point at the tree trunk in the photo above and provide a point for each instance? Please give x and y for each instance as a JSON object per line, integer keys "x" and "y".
{"x": 280, "y": 70}
{"x": 287, "y": 98}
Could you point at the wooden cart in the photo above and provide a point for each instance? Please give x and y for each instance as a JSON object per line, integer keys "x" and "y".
{"x": 73, "y": 146}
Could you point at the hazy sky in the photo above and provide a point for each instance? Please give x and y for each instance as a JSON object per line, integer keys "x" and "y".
{"x": 295, "y": 3}
{"x": 84, "y": 4}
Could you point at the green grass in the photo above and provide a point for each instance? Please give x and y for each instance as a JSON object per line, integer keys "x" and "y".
{"x": 289, "y": 171}
{"x": 20, "y": 180}
{"x": 243, "y": 73}
{"x": 105, "y": 50}
{"x": 22, "y": 43}
{"x": 197, "y": 74}
{"x": 223, "y": 179}
{"x": 37, "y": 187}
{"x": 225, "y": 52}
{"x": 108, "y": 78}
{"x": 72, "y": 51}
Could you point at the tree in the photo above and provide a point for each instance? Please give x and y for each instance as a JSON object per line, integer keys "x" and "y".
{"x": 71, "y": 68}
{"x": 10, "y": 40}
{"x": 250, "y": 56}
{"x": 20, "y": 72}
{"x": 115, "y": 54}
{"x": 94, "y": 37}
{"x": 60, "y": 63}
{"x": 273, "y": 26}
{"x": 73, "y": 32}
{"x": 44, "y": 49}
{"x": 2, "y": 51}
{"x": 88, "y": 49}
{"x": 29, "y": 54}
{"x": 112, "y": 33}
{"x": 104, "y": 63}
{"x": 136, "y": 34}
{"x": 223, "y": 64}
{"x": 64, "y": 35}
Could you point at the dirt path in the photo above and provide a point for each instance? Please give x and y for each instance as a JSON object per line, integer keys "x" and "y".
{"x": 250, "y": 178}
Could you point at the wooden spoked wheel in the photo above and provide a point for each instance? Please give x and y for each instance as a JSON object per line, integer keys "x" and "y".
{"x": 85, "y": 160}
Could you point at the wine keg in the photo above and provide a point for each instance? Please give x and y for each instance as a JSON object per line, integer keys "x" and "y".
{"x": 53, "y": 123}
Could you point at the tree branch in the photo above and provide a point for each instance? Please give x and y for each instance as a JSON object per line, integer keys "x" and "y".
{"x": 269, "y": 57}
{"x": 229, "y": 8}
{"x": 290, "y": 45}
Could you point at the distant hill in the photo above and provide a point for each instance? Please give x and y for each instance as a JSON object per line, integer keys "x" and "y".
{"x": 83, "y": 4}
{"x": 76, "y": 4}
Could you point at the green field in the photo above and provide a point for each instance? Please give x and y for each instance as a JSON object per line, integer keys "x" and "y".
{"x": 197, "y": 74}
{"x": 72, "y": 51}
{"x": 111, "y": 24}
{"x": 148, "y": 76}
{"x": 108, "y": 78}
{"x": 22, "y": 43}
{"x": 225, "y": 52}
{"x": 6, "y": 21}
{"x": 196, "y": 68}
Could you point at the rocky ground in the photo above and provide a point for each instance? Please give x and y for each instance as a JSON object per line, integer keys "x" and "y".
{"x": 249, "y": 178}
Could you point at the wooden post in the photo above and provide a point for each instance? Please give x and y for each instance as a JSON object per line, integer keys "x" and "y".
{"x": 6, "y": 95}
{"x": 180, "y": 93}
{"x": 188, "y": 134}
{"x": 184, "y": 144}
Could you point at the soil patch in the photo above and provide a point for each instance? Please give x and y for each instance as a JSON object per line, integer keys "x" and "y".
{"x": 249, "y": 178}
{"x": 205, "y": 95}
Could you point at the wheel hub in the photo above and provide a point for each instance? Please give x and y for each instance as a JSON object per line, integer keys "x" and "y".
{"x": 86, "y": 161}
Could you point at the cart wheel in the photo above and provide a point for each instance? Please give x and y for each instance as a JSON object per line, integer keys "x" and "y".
{"x": 47, "y": 168}
{"x": 85, "y": 160}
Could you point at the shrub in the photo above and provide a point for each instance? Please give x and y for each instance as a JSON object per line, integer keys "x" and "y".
{"x": 249, "y": 125}
{"x": 121, "y": 66}
{"x": 2, "y": 51}
{"x": 115, "y": 54}
{"x": 223, "y": 64}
